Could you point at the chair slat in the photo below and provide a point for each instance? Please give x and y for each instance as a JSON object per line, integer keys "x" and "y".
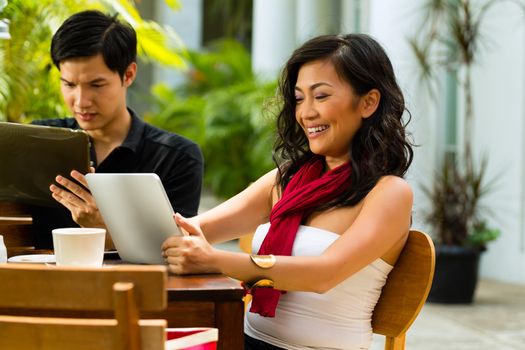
{"x": 50, "y": 333}
{"x": 127, "y": 315}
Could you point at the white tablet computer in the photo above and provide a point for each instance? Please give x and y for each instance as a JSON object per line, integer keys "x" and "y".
{"x": 137, "y": 213}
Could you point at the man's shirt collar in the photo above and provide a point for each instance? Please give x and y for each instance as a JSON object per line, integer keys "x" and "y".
{"x": 135, "y": 133}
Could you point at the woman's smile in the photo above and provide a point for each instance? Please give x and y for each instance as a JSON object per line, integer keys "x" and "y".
{"x": 314, "y": 131}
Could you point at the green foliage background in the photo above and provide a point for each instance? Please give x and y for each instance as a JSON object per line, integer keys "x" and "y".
{"x": 227, "y": 110}
{"x": 29, "y": 84}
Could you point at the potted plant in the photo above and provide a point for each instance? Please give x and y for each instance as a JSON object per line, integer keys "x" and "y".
{"x": 460, "y": 228}
{"x": 449, "y": 41}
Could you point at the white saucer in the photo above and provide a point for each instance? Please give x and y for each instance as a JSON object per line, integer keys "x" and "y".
{"x": 33, "y": 259}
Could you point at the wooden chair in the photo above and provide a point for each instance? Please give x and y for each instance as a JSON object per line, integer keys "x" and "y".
{"x": 405, "y": 291}
{"x": 15, "y": 226}
{"x": 30, "y": 293}
{"x": 245, "y": 243}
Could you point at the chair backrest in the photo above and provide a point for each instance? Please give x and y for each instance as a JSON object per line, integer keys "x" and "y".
{"x": 115, "y": 295}
{"x": 405, "y": 291}
{"x": 245, "y": 243}
{"x": 15, "y": 226}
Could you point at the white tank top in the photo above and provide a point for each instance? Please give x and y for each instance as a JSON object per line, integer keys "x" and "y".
{"x": 338, "y": 319}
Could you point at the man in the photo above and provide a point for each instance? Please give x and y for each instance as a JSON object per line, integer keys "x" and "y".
{"x": 96, "y": 57}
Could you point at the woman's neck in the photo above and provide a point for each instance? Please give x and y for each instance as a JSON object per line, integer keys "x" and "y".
{"x": 333, "y": 162}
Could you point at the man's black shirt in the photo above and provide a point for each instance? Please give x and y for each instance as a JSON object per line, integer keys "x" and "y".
{"x": 176, "y": 160}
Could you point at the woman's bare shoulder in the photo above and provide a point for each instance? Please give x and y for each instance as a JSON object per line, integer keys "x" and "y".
{"x": 391, "y": 191}
{"x": 393, "y": 185}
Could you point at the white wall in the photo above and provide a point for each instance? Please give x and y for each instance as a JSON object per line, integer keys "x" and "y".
{"x": 499, "y": 100}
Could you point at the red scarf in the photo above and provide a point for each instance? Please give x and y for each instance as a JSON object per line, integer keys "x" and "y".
{"x": 308, "y": 188}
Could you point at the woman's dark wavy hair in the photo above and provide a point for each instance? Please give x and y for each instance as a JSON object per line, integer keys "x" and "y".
{"x": 380, "y": 147}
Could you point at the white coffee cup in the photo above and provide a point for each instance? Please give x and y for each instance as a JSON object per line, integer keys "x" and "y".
{"x": 79, "y": 246}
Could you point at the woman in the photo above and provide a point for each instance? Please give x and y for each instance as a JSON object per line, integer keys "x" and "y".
{"x": 338, "y": 208}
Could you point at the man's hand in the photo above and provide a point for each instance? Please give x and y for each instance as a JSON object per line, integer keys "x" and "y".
{"x": 78, "y": 200}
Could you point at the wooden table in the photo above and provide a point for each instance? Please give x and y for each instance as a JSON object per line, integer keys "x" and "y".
{"x": 193, "y": 301}
{"x": 207, "y": 301}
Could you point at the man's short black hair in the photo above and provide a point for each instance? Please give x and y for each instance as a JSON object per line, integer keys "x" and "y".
{"x": 89, "y": 33}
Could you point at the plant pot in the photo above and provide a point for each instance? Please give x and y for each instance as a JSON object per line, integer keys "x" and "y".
{"x": 456, "y": 275}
